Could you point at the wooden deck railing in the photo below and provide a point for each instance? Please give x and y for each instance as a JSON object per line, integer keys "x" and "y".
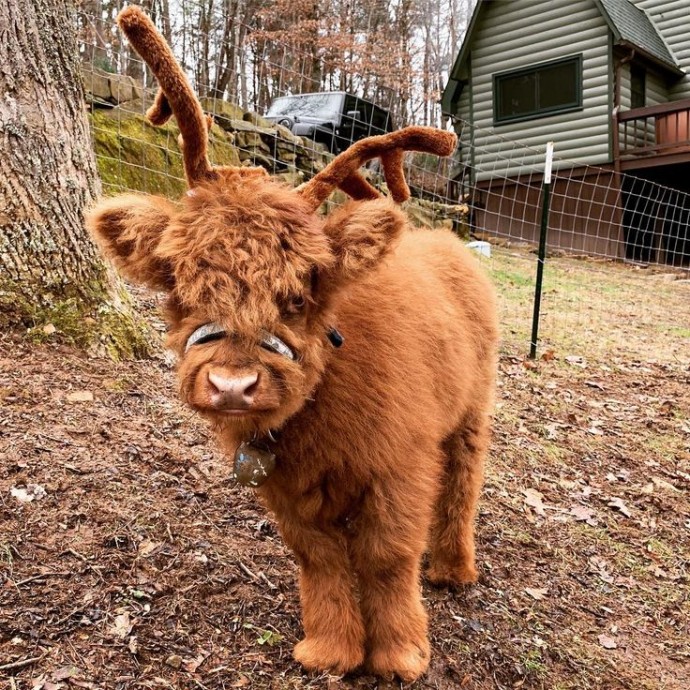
{"x": 657, "y": 130}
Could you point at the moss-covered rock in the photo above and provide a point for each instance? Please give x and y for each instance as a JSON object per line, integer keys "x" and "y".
{"x": 286, "y": 135}
{"x": 433, "y": 214}
{"x": 97, "y": 85}
{"x": 132, "y": 154}
{"x": 257, "y": 120}
{"x": 222, "y": 109}
{"x": 252, "y": 157}
{"x": 104, "y": 88}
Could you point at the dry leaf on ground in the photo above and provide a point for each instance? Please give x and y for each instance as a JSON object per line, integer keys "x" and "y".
{"x": 584, "y": 514}
{"x": 537, "y": 594}
{"x": 618, "y": 504}
{"x": 534, "y": 499}
{"x": 121, "y": 627}
{"x": 79, "y": 396}
{"x": 607, "y": 642}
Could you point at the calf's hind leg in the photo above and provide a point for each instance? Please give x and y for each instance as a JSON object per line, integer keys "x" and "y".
{"x": 452, "y": 557}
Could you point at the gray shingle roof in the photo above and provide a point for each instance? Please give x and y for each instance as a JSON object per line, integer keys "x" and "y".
{"x": 632, "y": 25}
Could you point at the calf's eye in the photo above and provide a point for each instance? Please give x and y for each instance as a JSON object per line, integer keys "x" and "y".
{"x": 208, "y": 338}
{"x": 274, "y": 344}
{"x": 294, "y": 305}
{"x": 298, "y": 303}
{"x": 205, "y": 334}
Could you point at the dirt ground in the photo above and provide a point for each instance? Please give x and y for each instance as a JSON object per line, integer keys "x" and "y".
{"x": 128, "y": 559}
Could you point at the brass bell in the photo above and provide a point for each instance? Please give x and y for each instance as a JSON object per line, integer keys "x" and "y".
{"x": 253, "y": 464}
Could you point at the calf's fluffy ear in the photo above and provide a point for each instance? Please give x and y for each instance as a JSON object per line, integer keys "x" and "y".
{"x": 128, "y": 229}
{"x": 361, "y": 233}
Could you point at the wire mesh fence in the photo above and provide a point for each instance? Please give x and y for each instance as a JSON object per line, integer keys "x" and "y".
{"x": 617, "y": 249}
{"x": 616, "y": 280}
{"x": 289, "y": 107}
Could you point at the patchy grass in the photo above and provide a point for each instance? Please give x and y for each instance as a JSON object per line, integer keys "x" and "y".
{"x": 594, "y": 308}
{"x": 680, "y": 332}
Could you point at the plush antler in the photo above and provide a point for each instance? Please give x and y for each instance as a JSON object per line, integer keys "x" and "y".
{"x": 175, "y": 96}
{"x": 344, "y": 172}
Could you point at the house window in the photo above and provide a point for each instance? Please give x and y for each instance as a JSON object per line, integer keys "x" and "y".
{"x": 637, "y": 86}
{"x": 539, "y": 90}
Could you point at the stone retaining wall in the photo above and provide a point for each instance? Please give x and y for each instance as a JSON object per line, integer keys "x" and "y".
{"x": 134, "y": 155}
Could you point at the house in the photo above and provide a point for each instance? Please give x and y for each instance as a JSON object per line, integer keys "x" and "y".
{"x": 608, "y": 81}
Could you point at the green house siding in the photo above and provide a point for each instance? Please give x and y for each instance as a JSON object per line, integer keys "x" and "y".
{"x": 656, "y": 88}
{"x": 507, "y": 36}
{"x": 521, "y": 33}
{"x": 656, "y": 92}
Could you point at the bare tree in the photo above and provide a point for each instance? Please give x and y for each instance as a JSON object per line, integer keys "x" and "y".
{"x": 397, "y": 53}
{"x": 51, "y": 273}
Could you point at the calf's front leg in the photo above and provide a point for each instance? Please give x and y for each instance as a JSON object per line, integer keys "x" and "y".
{"x": 334, "y": 631}
{"x": 387, "y": 551}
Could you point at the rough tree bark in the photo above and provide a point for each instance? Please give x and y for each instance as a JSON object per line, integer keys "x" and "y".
{"x": 50, "y": 272}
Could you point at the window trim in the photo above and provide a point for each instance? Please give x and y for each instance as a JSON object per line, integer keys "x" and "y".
{"x": 541, "y": 112}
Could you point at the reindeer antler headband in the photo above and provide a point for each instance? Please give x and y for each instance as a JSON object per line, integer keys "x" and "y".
{"x": 176, "y": 97}
{"x": 344, "y": 172}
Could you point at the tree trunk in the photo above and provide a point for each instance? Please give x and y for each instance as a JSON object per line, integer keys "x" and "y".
{"x": 404, "y": 28}
{"x": 50, "y": 273}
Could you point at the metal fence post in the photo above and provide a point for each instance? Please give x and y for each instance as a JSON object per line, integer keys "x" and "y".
{"x": 546, "y": 194}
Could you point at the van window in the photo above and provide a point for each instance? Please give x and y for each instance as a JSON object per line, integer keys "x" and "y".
{"x": 380, "y": 122}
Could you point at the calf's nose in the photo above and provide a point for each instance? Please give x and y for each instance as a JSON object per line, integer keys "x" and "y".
{"x": 235, "y": 392}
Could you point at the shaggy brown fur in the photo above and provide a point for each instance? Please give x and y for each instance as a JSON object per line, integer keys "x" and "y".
{"x": 380, "y": 444}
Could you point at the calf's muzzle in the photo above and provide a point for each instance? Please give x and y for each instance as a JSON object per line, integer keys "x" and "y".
{"x": 232, "y": 392}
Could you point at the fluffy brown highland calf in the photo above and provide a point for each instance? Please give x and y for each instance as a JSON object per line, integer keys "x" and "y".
{"x": 371, "y": 453}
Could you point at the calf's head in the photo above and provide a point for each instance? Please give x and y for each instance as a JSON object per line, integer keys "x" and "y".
{"x": 250, "y": 267}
